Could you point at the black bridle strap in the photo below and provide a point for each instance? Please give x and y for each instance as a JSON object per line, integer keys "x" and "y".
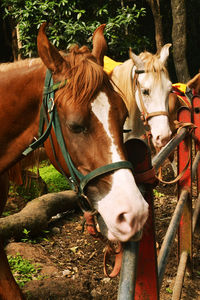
{"x": 145, "y": 116}
{"x": 104, "y": 169}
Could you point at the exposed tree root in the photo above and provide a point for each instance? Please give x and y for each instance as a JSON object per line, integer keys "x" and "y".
{"x": 37, "y": 213}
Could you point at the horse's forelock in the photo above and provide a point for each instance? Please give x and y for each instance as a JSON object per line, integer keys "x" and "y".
{"x": 153, "y": 65}
{"x": 86, "y": 77}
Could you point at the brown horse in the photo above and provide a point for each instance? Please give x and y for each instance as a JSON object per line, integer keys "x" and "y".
{"x": 81, "y": 129}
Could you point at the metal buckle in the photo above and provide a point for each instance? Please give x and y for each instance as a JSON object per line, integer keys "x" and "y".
{"x": 52, "y": 105}
{"x": 73, "y": 184}
{"x": 85, "y": 203}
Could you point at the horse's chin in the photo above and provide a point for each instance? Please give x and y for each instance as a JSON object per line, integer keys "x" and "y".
{"x": 159, "y": 145}
{"x": 136, "y": 237}
{"x": 114, "y": 237}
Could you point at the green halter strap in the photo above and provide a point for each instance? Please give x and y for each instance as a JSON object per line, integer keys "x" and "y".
{"x": 77, "y": 179}
{"x": 48, "y": 102}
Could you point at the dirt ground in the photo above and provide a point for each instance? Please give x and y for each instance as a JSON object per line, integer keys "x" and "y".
{"x": 71, "y": 261}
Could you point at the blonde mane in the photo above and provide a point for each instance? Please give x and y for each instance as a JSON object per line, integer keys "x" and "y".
{"x": 153, "y": 65}
{"x": 122, "y": 75}
{"x": 122, "y": 79}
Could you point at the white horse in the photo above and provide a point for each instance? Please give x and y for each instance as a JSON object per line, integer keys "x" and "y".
{"x": 145, "y": 85}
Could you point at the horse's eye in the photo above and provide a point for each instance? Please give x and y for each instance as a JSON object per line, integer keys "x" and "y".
{"x": 146, "y": 92}
{"x": 77, "y": 128}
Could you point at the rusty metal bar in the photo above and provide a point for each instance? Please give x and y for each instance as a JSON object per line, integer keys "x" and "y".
{"x": 158, "y": 159}
{"x": 185, "y": 182}
{"x": 143, "y": 259}
{"x": 128, "y": 286}
{"x": 197, "y": 206}
{"x": 183, "y": 258}
{"x": 170, "y": 235}
{"x": 196, "y": 121}
{"x": 128, "y": 272}
{"x": 195, "y": 164}
{"x": 180, "y": 276}
{"x": 196, "y": 213}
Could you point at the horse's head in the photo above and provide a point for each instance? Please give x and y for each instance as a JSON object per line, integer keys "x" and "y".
{"x": 152, "y": 86}
{"x": 91, "y": 115}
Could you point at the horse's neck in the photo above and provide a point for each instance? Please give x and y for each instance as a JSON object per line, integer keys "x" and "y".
{"x": 133, "y": 126}
{"x": 121, "y": 76}
{"x": 20, "y": 99}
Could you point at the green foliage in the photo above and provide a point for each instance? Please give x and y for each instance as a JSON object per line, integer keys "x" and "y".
{"x": 75, "y": 21}
{"x": 55, "y": 181}
{"x": 28, "y": 239}
{"x": 157, "y": 194}
{"x": 169, "y": 290}
{"x": 23, "y": 270}
{"x": 28, "y": 192}
{"x": 6, "y": 213}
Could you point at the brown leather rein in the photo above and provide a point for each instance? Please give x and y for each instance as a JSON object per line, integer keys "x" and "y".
{"x": 145, "y": 115}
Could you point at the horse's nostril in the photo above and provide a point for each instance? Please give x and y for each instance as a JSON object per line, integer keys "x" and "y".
{"x": 162, "y": 140}
{"x": 121, "y": 217}
{"x": 126, "y": 219}
{"x": 158, "y": 138}
{"x": 165, "y": 140}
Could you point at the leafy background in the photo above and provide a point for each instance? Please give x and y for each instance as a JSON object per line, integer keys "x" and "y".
{"x": 74, "y": 22}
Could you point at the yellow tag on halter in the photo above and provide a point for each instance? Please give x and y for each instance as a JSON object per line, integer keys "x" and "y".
{"x": 180, "y": 90}
{"x": 110, "y": 64}
{"x": 180, "y": 86}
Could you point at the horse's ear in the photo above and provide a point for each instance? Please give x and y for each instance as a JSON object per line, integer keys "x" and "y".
{"x": 47, "y": 52}
{"x": 164, "y": 53}
{"x": 99, "y": 44}
{"x": 194, "y": 83}
{"x": 136, "y": 60}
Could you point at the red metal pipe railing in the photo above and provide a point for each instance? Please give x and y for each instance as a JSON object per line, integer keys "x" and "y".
{"x": 182, "y": 221}
{"x": 145, "y": 274}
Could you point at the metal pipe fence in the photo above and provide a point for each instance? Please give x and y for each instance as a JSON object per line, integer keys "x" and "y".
{"x": 142, "y": 270}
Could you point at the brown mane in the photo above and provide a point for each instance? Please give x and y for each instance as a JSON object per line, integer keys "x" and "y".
{"x": 85, "y": 76}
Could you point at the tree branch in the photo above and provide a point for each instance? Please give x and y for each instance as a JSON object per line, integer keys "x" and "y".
{"x": 37, "y": 213}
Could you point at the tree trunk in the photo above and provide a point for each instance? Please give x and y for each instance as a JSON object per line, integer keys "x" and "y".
{"x": 179, "y": 40}
{"x": 37, "y": 213}
{"x": 155, "y": 8}
{"x": 5, "y": 38}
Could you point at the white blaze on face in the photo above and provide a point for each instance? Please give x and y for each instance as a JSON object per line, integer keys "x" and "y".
{"x": 123, "y": 209}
